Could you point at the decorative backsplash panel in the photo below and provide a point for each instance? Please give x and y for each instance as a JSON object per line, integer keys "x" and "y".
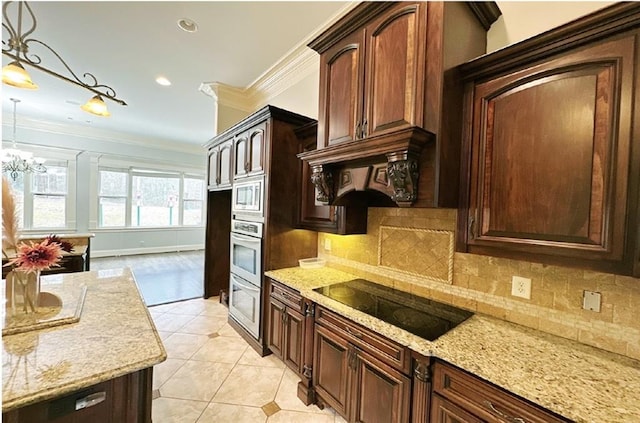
{"x": 396, "y": 251}
{"x": 417, "y": 251}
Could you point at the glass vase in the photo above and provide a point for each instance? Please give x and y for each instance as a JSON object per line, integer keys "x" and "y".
{"x": 25, "y": 291}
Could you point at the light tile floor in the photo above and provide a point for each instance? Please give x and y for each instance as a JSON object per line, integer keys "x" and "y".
{"x": 212, "y": 375}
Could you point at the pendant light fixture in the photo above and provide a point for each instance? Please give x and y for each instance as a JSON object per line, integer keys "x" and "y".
{"x": 17, "y": 47}
{"x": 15, "y": 161}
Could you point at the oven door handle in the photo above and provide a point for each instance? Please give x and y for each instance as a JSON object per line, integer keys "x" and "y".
{"x": 245, "y": 238}
{"x": 247, "y": 287}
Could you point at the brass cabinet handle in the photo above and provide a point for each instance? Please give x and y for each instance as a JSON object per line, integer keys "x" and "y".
{"x": 500, "y": 414}
{"x": 365, "y": 126}
{"x": 472, "y": 227}
{"x": 287, "y": 296}
{"x": 356, "y": 131}
{"x": 352, "y": 359}
{"x": 353, "y": 332}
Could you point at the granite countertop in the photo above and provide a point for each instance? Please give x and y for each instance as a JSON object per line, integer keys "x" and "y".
{"x": 579, "y": 382}
{"x": 113, "y": 337}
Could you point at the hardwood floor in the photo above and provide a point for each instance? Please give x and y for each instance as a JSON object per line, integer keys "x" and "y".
{"x": 162, "y": 278}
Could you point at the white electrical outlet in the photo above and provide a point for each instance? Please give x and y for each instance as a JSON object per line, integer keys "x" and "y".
{"x": 327, "y": 244}
{"x": 521, "y": 287}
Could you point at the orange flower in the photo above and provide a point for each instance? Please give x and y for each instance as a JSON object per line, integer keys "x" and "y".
{"x": 37, "y": 256}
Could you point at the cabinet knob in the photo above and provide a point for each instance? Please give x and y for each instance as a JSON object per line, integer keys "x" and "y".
{"x": 246, "y": 167}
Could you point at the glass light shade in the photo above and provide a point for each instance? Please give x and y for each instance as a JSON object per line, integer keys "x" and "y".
{"x": 15, "y": 75}
{"x": 96, "y": 106}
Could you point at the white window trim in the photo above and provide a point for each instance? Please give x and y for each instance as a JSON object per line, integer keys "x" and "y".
{"x": 144, "y": 169}
{"x": 53, "y": 157}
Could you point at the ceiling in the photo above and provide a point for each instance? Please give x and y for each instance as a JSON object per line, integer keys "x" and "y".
{"x": 126, "y": 45}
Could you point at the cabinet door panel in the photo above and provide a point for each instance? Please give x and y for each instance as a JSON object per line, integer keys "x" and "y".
{"x": 240, "y": 165}
{"x": 341, "y": 91}
{"x": 331, "y": 375}
{"x": 551, "y": 153}
{"x": 393, "y": 63}
{"x": 213, "y": 168}
{"x": 294, "y": 333}
{"x": 255, "y": 149}
{"x": 384, "y": 393}
{"x": 275, "y": 336}
{"x": 225, "y": 162}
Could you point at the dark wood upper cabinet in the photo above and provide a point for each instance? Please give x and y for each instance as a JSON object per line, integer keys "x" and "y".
{"x": 394, "y": 64}
{"x": 550, "y": 172}
{"x": 317, "y": 216}
{"x": 341, "y": 75}
{"x": 249, "y": 151}
{"x": 390, "y": 102}
{"x": 220, "y": 165}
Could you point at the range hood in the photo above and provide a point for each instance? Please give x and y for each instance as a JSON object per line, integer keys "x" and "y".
{"x": 376, "y": 171}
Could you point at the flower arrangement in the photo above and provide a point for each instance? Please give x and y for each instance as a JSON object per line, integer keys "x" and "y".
{"x": 35, "y": 257}
{"x": 31, "y": 258}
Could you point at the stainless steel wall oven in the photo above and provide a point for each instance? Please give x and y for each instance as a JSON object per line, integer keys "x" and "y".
{"x": 245, "y": 282}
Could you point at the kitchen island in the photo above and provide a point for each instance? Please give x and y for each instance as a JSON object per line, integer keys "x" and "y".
{"x": 102, "y": 362}
{"x": 574, "y": 381}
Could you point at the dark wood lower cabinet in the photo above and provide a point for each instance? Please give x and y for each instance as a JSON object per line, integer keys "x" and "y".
{"x": 367, "y": 378}
{"x": 381, "y": 393}
{"x": 331, "y": 372}
{"x": 127, "y": 399}
{"x": 443, "y": 411}
{"x": 358, "y": 385}
{"x": 286, "y": 325}
{"x": 459, "y": 396}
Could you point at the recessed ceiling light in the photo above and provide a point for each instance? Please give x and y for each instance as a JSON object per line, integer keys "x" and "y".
{"x": 188, "y": 25}
{"x": 163, "y": 81}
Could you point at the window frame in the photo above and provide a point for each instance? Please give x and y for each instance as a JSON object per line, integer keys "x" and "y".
{"x": 57, "y": 159}
{"x": 147, "y": 171}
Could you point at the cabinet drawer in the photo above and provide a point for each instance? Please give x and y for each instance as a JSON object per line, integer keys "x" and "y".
{"x": 286, "y": 295}
{"x": 380, "y": 347}
{"x": 485, "y": 400}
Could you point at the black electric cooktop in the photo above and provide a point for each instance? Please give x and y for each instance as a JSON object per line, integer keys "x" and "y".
{"x": 425, "y": 318}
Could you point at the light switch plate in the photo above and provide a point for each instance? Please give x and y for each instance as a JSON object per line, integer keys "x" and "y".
{"x": 327, "y": 244}
{"x": 591, "y": 301}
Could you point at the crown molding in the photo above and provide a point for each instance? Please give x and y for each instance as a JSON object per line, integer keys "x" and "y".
{"x": 228, "y": 95}
{"x": 102, "y": 135}
{"x": 291, "y": 68}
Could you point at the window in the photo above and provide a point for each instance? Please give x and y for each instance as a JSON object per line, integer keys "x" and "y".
{"x": 49, "y": 192}
{"x": 112, "y": 207}
{"x": 42, "y": 198}
{"x": 155, "y": 200}
{"x": 149, "y": 198}
{"x": 192, "y": 201}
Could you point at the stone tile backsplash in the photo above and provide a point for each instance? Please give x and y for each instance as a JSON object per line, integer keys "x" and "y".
{"x": 396, "y": 238}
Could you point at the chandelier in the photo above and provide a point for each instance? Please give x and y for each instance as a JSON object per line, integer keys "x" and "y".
{"x": 15, "y": 161}
{"x": 17, "y": 47}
